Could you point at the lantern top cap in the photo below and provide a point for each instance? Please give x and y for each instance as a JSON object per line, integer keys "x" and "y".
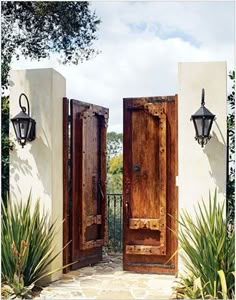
{"x": 21, "y": 115}
{"x": 203, "y": 111}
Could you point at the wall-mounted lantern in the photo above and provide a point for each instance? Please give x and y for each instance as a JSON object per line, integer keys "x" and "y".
{"x": 23, "y": 124}
{"x": 202, "y": 120}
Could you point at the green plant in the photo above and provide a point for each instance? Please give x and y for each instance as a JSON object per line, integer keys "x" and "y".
{"x": 26, "y": 241}
{"x": 231, "y": 153}
{"x": 188, "y": 288}
{"x": 208, "y": 251}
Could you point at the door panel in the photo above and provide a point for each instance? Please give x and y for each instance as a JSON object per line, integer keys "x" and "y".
{"x": 88, "y": 136}
{"x": 150, "y": 194}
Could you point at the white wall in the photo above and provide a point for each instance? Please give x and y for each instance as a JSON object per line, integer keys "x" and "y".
{"x": 201, "y": 169}
{"x": 38, "y": 166}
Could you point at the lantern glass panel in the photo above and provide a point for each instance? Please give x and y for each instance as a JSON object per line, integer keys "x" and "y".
{"x": 199, "y": 126}
{"x": 207, "y": 126}
{"x": 23, "y": 124}
{"x": 29, "y": 129}
{"x": 16, "y": 128}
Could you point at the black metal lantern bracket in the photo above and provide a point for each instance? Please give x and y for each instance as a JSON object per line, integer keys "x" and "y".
{"x": 23, "y": 124}
{"x": 203, "y": 120}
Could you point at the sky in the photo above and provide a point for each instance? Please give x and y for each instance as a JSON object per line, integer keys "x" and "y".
{"x": 140, "y": 45}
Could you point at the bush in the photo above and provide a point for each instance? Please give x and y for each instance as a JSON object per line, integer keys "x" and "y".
{"x": 26, "y": 239}
{"x": 208, "y": 253}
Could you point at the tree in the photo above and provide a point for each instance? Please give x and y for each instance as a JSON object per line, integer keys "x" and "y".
{"x": 114, "y": 162}
{"x": 231, "y": 152}
{"x": 114, "y": 144}
{"x": 35, "y": 30}
{"x": 115, "y": 175}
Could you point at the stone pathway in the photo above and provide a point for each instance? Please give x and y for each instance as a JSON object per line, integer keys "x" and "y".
{"x": 107, "y": 280}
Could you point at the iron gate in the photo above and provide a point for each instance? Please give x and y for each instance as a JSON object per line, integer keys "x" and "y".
{"x": 115, "y": 222}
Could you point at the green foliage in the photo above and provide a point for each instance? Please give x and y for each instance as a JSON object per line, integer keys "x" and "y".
{"x": 187, "y": 288}
{"x": 26, "y": 241}
{"x": 35, "y": 30}
{"x": 115, "y": 175}
{"x": 114, "y": 144}
{"x": 114, "y": 186}
{"x": 5, "y": 146}
{"x": 114, "y": 162}
{"x": 115, "y": 165}
{"x": 209, "y": 252}
{"x": 231, "y": 153}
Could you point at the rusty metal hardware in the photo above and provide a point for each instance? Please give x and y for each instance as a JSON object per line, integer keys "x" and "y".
{"x": 141, "y": 223}
{"x": 143, "y": 250}
{"x": 136, "y": 168}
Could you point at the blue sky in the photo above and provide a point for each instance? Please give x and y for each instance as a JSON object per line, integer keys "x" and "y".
{"x": 140, "y": 46}
{"x": 163, "y": 32}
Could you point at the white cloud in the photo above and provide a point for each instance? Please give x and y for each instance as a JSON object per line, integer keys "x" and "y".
{"x": 143, "y": 62}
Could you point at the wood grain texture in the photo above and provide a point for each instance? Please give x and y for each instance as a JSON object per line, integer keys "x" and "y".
{"x": 149, "y": 190}
{"x": 88, "y": 181}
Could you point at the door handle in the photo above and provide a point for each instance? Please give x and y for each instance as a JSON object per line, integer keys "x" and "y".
{"x": 136, "y": 168}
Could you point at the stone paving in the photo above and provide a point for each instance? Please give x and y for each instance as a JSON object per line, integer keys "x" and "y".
{"x": 107, "y": 280}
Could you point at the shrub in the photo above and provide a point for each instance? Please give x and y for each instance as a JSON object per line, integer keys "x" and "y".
{"x": 27, "y": 250}
{"x": 208, "y": 253}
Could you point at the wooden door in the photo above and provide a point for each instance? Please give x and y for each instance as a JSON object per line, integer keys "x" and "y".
{"x": 149, "y": 187}
{"x": 88, "y": 228}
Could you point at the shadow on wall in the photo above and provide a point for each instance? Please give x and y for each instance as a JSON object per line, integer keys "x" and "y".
{"x": 25, "y": 166}
{"x": 41, "y": 146}
{"x": 215, "y": 151}
{"x": 18, "y": 166}
{"x": 30, "y": 167}
{"x": 42, "y": 151}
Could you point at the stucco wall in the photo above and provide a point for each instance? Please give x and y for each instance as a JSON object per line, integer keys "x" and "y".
{"x": 38, "y": 166}
{"x": 201, "y": 169}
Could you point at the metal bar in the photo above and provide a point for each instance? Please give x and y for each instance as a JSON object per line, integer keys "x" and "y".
{"x": 114, "y": 220}
{"x": 108, "y": 209}
{"x": 114, "y": 204}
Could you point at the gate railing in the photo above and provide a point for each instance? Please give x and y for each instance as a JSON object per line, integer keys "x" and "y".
{"x": 115, "y": 221}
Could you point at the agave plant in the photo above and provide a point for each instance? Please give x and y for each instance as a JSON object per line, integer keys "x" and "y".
{"x": 208, "y": 250}
{"x": 26, "y": 240}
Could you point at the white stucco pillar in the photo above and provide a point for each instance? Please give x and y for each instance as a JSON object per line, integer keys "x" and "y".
{"x": 201, "y": 169}
{"x": 38, "y": 166}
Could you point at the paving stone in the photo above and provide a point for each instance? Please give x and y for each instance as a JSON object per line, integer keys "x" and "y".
{"x": 91, "y": 293}
{"x": 107, "y": 280}
{"x": 155, "y": 283}
{"x": 141, "y": 283}
{"x": 157, "y": 296}
{"x": 139, "y": 294}
{"x": 115, "y": 295}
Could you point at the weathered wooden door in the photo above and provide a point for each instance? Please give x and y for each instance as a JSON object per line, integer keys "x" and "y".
{"x": 86, "y": 205}
{"x": 149, "y": 187}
